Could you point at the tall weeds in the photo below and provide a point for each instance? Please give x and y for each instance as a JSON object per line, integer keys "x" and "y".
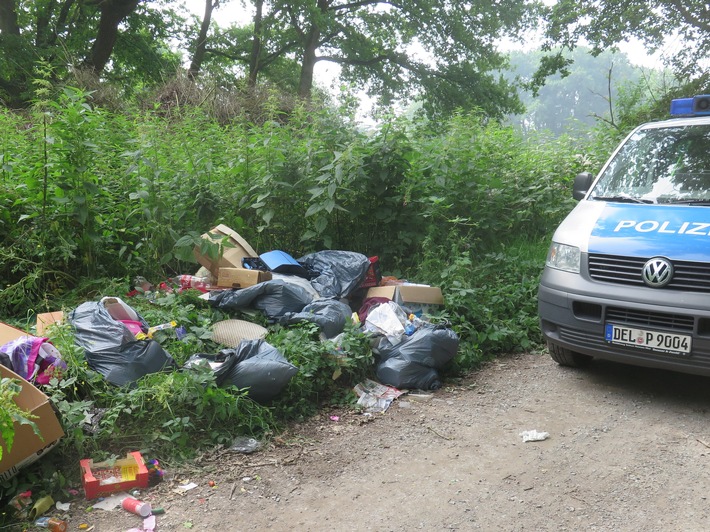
{"x": 87, "y": 194}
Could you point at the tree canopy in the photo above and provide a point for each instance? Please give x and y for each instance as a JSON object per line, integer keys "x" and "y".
{"x": 443, "y": 52}
{"x": 120, "y": 39}
{"x": 605, "y": 23}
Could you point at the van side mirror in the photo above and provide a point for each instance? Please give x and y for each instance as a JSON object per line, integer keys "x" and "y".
{"x": 582, "y": 182}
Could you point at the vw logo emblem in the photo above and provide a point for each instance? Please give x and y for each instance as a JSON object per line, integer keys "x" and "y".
{"x": 657, "y": 272}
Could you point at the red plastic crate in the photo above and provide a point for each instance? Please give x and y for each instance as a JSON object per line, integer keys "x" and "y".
{"x": 123, "y": 474}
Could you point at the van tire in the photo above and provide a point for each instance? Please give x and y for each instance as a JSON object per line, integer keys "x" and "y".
{"x": 565, "y": 357}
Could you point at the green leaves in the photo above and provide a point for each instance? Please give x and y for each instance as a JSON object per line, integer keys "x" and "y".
{"x": 12, "y": 415}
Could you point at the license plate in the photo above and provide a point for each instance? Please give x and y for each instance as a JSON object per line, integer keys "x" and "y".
{"x": 661, "y": 342}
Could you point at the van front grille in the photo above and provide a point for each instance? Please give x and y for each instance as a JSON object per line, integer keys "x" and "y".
{"x": 643, "y": 319}
{"x": 687, "y": 275}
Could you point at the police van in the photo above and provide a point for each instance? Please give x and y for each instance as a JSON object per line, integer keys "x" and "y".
{"x": 627, "y": 277}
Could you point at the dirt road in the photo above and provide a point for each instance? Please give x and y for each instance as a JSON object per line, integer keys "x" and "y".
{"x": 628, "y": 449}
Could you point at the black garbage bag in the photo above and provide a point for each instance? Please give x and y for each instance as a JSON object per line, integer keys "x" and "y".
{"x": 330, "y": 315}
{"x": 406, "y": 374}
{"x": 96, "y": 330}
{"x": 409, "y": 364}
{"x": 112, "y": 350}
{"x": 274, "y": 298}
{"x": 254, "y": 364}
{"x": 430, "y": 345}
{"x": 341, "y": 272}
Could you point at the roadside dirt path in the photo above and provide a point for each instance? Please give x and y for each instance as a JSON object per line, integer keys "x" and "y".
{"x": 628, "y": 449}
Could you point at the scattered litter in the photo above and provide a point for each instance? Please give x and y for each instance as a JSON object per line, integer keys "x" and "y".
{"x": 335, "y": 418}
{"x": 186, "y": 487}
{"x": 135, "y": 506}
{"x": 41, "y": 507}
{"x": 52, "y": 523}
{"x": 245, "y": 445}
{"x": 387, "y": 319}
{"x": 149, "y": 523}
{"x": 111, "y": 502}
{"x": 375, "y": 397}
{"x": 155, "y": 473}
{"x": 211, "y": 483}
{"x": 110, "y": 476}
{"x": 63, "y": 506}
{"x": 21, "y": 503}
{"x": 534, "y": 435}
{"x": 414, "y": 396}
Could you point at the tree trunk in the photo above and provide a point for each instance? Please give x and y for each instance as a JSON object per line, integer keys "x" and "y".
{"x": 255, "y": 57}
{"x": 113, "y": 12}
{"x": 310, "y": 46}
{"x": 8, "y": 18}
{"x": 305, "y": 84}
{"x": 201, "y": 43}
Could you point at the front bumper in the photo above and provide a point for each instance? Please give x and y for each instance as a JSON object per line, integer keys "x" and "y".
{"x": 573, "y": 311}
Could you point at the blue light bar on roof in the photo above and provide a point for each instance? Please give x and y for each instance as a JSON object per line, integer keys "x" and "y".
{"x": 696, "y": 106}
{"x": 682, "y": 107}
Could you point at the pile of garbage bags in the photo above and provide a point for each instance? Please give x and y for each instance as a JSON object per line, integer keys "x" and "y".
{"x": 320, "y": 288}
{"x": 409, "y": 351}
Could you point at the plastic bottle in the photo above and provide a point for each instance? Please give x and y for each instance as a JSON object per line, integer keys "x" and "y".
{"x": 51, "y": 523}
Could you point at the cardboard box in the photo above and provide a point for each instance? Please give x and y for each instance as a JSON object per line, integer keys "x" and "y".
{"x": 231, "y": 257}
{"x": 46, "y": 319}
{"x": 27, "y": 447}
{"x": 8, "y": 333}
{"x": 241, "y": 277}
{"x": 416, "y": 298}
{"x": 422, "y": 294}
{"x": 382, "y": 291}
{"x": 102, "y": 478}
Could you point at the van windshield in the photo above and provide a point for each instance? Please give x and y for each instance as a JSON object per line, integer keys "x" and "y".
{"x": 663, "y": 165}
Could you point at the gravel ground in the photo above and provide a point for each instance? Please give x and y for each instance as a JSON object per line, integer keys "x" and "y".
{"x": 627, "y": 450}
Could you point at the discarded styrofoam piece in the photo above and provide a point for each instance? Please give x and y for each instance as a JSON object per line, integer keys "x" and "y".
{"x": 534, "y": 435}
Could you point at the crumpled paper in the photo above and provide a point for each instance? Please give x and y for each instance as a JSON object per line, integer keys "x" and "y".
{"x": 534, "y": 435}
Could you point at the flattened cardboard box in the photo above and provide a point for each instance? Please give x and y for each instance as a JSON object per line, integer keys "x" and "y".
{"x": 241, "y": 277}
{"x": 27, "y": 447}
{"x": 231, "y": 256}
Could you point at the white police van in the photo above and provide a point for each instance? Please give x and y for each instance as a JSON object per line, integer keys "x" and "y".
{"x": 627, "y": 277}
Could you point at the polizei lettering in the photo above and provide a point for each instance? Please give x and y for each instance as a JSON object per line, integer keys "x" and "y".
{"x": 673, "y": 228}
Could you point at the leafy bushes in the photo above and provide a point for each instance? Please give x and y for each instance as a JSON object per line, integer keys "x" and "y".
{"x": 90, "y": 199}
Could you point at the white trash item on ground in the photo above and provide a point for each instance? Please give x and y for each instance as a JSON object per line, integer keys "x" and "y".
{"x": 534, "y": 435}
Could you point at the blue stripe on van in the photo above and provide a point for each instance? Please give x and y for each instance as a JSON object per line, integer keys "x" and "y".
{"x": 672, "y": 231}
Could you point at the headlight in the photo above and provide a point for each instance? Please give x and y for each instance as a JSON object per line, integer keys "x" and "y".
{"x": 563, "y": 257}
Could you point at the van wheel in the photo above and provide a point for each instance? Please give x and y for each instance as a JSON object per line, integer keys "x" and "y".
{"x": 565, "y": 357}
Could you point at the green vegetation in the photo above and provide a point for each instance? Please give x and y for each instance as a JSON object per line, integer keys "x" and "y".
{"x": 89, "y": 199}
